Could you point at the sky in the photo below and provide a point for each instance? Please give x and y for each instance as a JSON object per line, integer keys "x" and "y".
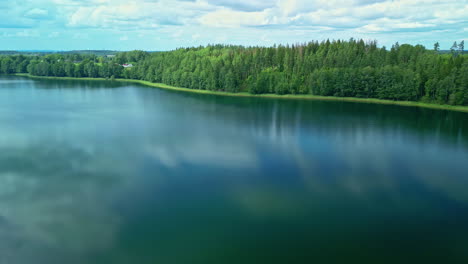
{"x": 158, "y": 25}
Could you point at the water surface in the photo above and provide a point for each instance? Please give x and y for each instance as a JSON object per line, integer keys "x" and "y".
{"x": 102, "y": 172}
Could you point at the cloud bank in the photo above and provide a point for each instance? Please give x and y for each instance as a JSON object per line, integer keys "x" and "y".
{"x": 168, "y": 24}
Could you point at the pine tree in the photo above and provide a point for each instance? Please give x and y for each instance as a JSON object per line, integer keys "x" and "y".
{"x": 454, "y": 49}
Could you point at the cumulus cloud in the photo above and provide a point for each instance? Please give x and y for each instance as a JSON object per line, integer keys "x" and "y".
{"x": 125, "y": 15}
{"x": 240, "y": 20}
{"x": 249, "y": 6}
{"x": 230, "y": 18}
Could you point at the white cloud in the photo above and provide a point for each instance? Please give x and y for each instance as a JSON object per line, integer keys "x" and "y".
{"x": 196, "y": 36}
{"x": 230, "y": 18}
{"x": 37, "y": 13}
{"x": 175, "y": 22}
{"x": 252, "y": 5}
{"x": 25, "y": 33}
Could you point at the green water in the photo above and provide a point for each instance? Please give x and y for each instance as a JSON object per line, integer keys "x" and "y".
{"x": 101, "y": 172}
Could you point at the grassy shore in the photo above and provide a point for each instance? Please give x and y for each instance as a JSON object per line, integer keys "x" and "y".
{"x": 289, "y": 96}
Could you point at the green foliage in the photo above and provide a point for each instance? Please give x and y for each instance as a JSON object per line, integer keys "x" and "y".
{"x": 331, "y": 68}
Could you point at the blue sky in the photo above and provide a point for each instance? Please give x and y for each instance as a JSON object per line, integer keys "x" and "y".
{"x": 169, "y": 24}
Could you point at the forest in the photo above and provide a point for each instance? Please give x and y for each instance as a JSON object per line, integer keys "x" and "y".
{"x": 352, "y": 68}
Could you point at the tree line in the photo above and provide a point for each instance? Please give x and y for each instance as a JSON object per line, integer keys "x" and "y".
{"x": 351, "y": 68}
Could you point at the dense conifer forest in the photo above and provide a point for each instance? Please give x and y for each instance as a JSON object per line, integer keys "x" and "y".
{"x": 351, "y": 68}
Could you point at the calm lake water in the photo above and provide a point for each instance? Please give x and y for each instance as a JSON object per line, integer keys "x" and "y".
{"x": 102, "y": 172}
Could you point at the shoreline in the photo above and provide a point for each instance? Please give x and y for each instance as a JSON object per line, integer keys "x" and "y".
{"x": 274, "y": 96}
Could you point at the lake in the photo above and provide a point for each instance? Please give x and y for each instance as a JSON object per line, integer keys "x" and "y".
{"x": 106, "y": 172}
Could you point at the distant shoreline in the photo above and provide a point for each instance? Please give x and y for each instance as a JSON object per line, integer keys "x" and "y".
{"x": 275, "y": 96}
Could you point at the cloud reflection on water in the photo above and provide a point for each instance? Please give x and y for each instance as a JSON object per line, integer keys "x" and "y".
{"x": 74, "y": 173}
